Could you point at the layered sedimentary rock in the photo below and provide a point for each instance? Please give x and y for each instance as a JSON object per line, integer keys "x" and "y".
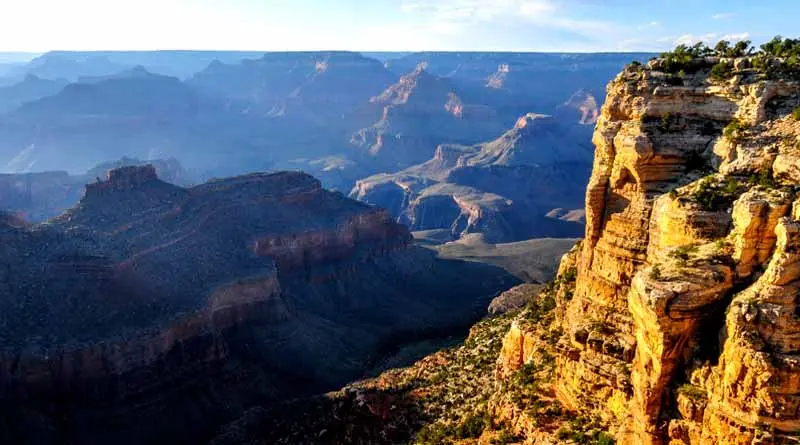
{"x": 504, "y": 189}
{"x": 675, "y": 320}
{"x": 680, "y": 220}
{"x": 40, "y": 196}
{"x": 149, "y": 309}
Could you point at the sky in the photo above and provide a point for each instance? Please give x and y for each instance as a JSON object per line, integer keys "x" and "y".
{"x": 388, "y": 25}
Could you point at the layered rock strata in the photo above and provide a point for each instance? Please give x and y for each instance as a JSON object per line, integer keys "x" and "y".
{"x": 149, "y": 309}
{"x": 686, "y": 223}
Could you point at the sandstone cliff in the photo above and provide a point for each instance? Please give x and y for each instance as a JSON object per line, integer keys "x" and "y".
{"x": 679, "y": 330}
{"x": 675, "y": 320}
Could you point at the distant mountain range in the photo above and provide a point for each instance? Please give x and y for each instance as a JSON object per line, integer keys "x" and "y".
{"x": 341, "y": 116}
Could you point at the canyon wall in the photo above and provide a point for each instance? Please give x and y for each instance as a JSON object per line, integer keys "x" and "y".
{"x": 682, "y": 327}
{"x": 152, "y": 313}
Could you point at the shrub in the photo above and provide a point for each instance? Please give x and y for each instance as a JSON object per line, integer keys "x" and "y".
{"x": 780, "y": 47}
{"x": 683, "y": 253}
{"x": 667, "y": 121}
{"x": 604, "y": 439}
{"x": 740, "y": 49}
{"x": 655, "y": 272}
{"x": 736, "y": 130}
{"x": 796, "y": 114}
{"x": 708, "y": 196}
{"x": 692, "y": 392}
{"x": 721, "y": 71}
{"x": 472, "y": 426}
{"x": 570, "y": 275}
{"x": 434, "y": 434}
{"x": 540, "y": 307}
{"x": 764, "y": 179}
{"x": 505, "y": 437}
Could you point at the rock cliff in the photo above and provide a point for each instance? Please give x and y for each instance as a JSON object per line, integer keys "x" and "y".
{"x": 151, "y": 313}
{"x": 675, "y": 320}
{"x": 684, "y": 205}
{"x": 503, "y": 188}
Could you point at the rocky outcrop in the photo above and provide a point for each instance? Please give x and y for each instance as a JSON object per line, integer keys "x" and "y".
{"x": 41, "y": 196}
{"x": 504, "y": 189}
{"x": 675, "y": 320}
{"x": 420, "y": 112}
{"x": 669, "y": 242}
{"x": 152, "y": 298}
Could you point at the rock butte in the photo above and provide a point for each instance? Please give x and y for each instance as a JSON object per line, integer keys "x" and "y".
{"x": 683, "y": 328}
{"x": 154, "y": 313}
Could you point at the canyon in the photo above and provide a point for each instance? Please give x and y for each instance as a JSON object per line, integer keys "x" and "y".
{"x": 674, "y": 321}
{"x": 152, "y": 313}
{"x": 375, "y": 126}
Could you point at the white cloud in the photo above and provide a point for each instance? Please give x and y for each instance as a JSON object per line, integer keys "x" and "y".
{"x": 691, "y": 39}
{"x": 650, "y": 25}
{"x": 478, "y": 10}
{"x": 736, "y": 37}
{"x": 452, "y": 16}
{"x": 723, "y": 16}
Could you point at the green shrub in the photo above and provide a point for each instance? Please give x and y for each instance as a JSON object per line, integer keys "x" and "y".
{"x": 736, "y": 130}
{"x": 780, "y": 47}
{"x": 683, "y": 253}
{"x": 605, "y": 439}
{"x": 667, "y": 121}
{"x": 796, "y": 114}
{"x": 764, "y": 179}
{"x": 655, "y": 272}
{"x": 570, "y": 275}
{"x": 713, "y": 197}
{"x": 505, "y": 437}
{"x": 692, "y": 392}
{"x": 740, "y": 49}
{"x": 472, "y": 426}
{"x": 722, "y": 71}
{"x": 434, "y": 434}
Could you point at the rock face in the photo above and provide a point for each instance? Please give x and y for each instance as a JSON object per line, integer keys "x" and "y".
{"x": 41, "y": 196}
{"x": 676, "y": 237}
{"x": 149, "y": 309}
{"x": 673, "y": 322}
{"x": 504, "y": 188}
{"x": 419, "y": 112}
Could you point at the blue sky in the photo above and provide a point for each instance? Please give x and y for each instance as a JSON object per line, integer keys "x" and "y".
{"x": 388, "y": 25}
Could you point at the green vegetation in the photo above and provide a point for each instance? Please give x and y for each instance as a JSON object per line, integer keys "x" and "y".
{"x": 582, "y": 430}
{"x": 796, "y": 114}
{"x": 683, "y": 253}
{"x": 682, "y": 56}
{"x": 777, "y": 58}
{"x": 710, "y": 197}
{"x": 570, "y": 275}
{"x": 655, "y": 272}
{"x": 667, "y": 122}
{"x": 764, "y": 179}
{"x": 736, "y": 130}
{"x": 539, "y": 309}
{"x": 722, "y": 71}
{"x": 780, "y": 47}
{"x": 740, "y": 49}
{"x": 693, "y": 392}
{"x": 505, "y": 437}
